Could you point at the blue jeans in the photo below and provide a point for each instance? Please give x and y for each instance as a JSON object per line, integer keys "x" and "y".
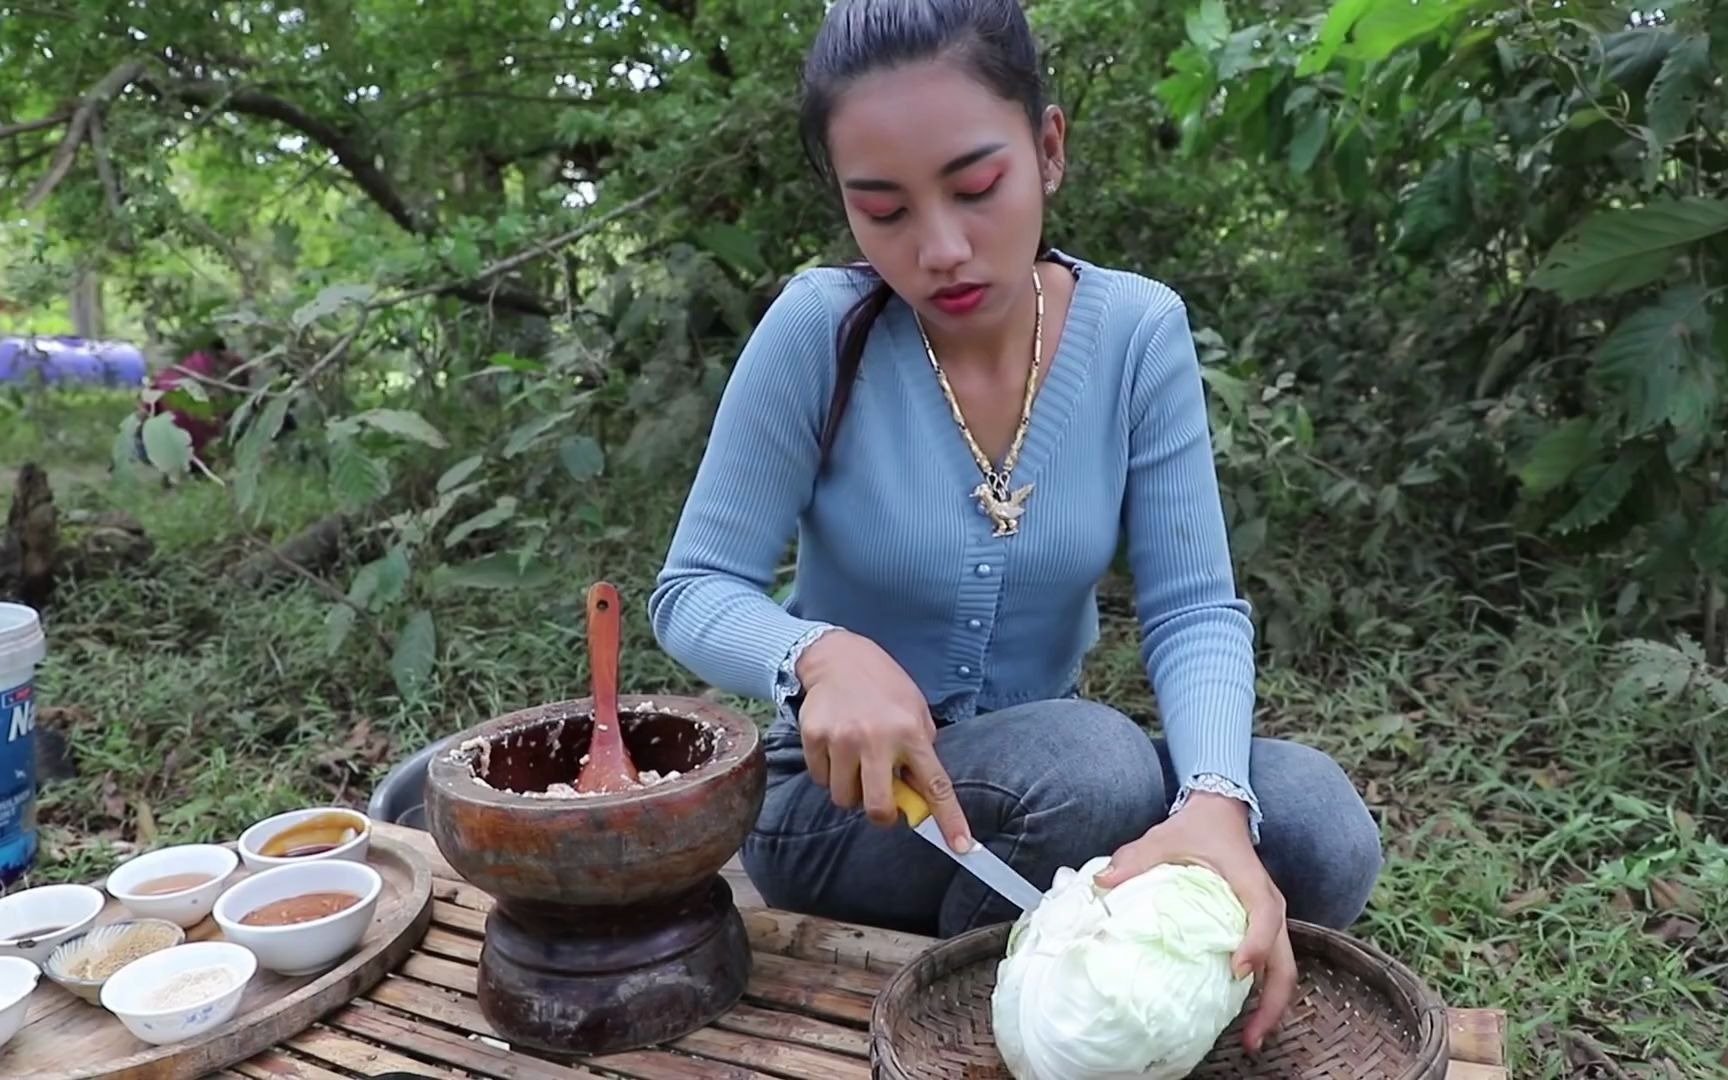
{"x": 1044, "y": 785}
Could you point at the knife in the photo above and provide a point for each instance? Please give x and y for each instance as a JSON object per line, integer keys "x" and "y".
{"x": 980, "y": 861}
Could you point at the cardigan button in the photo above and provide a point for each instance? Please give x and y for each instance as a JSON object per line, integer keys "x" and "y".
{"x": 974, "y": 623}
{"x": 964, "y": 670}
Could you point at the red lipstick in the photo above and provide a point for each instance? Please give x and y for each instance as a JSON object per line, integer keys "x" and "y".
{"x": 958, "y": 299}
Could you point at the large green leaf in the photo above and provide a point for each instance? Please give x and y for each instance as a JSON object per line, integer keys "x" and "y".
{"x": 1334, "y": 32}
{"x": 409, "y": 425}
{"x": 1633, "y": 57}
{"x": 338, "y": 622}
{"x": 1389, "y": 25}
{"x": 259, "y": 434}
{"x": 735, "y": 245}
{"x": 459, "y": 472}
{"x": 582, "y": 457}
{"x": 124, "y": 452}
{"x": 1614, "y": 251}
{"x": 1208, "y": 25}
{"x": 1438, "y": 208}
{"x": 1189, "y": 85}
{"x": 1662, "y": 361}
{"x": 167, "y": 445}
{"x": 328, "y": 301}
{"x": 532, "y": 432}
{"x": 1684, "y": 77}
{"x": 416, "y": 653}
{"x": 1558, "y": 455}
{"x": 500, "y": 570}
{"x": 357, "y": 478}
{"x": 497, "y": 514}
{"x": 1310, "y": 137}
{"x": 381, "y": 581}
{"x": 1604, "y": 488}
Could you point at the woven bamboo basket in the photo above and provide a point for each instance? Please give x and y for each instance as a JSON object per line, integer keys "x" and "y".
{"x": 1358, "y": 1014}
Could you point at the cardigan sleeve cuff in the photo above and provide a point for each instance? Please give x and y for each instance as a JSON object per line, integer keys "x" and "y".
{"x": 1220, "y": 785}
{"x": 788, "y": 689}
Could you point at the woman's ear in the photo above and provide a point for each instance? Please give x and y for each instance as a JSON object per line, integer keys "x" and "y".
{"x": 1052, "y": 142}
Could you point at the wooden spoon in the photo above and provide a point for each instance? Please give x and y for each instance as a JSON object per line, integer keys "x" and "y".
{"x": 608, "y": 767}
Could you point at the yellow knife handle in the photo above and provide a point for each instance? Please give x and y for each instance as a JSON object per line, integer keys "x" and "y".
{"x": 910, "y": 803}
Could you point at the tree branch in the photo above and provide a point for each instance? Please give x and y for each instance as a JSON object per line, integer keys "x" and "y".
{"x": 522, "y": 258}
{"x": 354, "y": 158}
{"x": 110, "y": 185}
{"x": 27, "y": 126}
{"x": 109, "y": 85}
{"x": 351, "y": 154}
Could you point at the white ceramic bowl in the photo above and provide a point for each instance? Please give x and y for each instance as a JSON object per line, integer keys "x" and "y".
{"x": 187, "y": 907}
{"x": 306, "y": 947}
{"x": 129, "y": 992}
{"x": 18, "y": 978}
{"x": 67, "y": 910}
{"x": 255, "y": 838}
{"x": 72, "y": 954}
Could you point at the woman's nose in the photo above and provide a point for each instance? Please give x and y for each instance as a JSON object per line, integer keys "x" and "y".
{"x": 943, "y": 247}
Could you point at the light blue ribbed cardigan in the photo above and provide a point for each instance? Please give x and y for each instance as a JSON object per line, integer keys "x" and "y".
{"x": 891, "y": 544}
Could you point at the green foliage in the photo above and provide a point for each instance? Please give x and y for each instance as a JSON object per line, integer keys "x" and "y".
{"x": 1549, "y": 148}
{"x": 1456, "y": 274}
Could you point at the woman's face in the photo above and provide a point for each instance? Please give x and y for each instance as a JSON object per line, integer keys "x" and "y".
{"x": 943, "y": 182}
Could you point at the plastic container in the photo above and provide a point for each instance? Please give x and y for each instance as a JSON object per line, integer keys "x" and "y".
{"x": 22, "y": 647}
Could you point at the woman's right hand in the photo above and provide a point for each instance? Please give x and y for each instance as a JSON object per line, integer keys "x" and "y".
{"x": 863, "y": 719}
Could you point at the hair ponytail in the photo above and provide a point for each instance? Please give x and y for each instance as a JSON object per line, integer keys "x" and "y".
{"x": 850, "y": 339}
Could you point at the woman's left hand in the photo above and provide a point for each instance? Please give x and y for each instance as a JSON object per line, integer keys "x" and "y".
{"x": 1212, "y": 831}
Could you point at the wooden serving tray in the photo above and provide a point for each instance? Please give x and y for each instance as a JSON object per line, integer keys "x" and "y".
{"x": 66, "y": 1038}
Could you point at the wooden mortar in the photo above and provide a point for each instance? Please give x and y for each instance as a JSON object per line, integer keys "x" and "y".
{"x": 612, "y": 928}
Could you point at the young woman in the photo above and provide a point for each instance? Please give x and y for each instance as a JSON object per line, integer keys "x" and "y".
{"x": 960, "y": 433}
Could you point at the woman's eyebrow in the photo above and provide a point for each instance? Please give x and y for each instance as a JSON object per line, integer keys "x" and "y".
{"x": 971, "y": 157}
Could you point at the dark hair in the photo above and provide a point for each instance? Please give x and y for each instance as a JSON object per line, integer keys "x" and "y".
{"x": 989, "y": 37}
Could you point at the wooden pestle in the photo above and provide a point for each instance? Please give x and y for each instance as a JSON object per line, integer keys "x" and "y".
{"x": 608, "y": 767}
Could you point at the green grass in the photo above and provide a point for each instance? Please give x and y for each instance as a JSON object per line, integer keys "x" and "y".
{"x": 1556, "y": 837}
{"x": 71, "y": 428}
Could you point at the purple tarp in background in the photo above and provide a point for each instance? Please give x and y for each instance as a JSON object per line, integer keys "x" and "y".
{"x": 70, "y": 360}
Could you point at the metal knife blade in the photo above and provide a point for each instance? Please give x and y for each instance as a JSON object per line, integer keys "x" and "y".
{"x": 981, "y": 862}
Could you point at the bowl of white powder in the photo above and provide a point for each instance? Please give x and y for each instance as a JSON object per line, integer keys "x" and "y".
{"x": 178, "y": 993}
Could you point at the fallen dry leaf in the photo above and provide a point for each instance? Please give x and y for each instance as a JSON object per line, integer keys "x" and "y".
{"x": 113, "y": 803}
{"x": 1621, "y": 902}
{"x": 146, "y": 823}
{"x": 1673, "y": 896}
{"x": 1677, "y": 930}
{"x": 1685, "y": 825}
{"x": 1550, "y": 777}
{"x": 1523, "y": 901}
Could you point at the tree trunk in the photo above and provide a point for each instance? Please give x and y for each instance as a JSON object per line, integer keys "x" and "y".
{"x": 87, "y": 316}
{"x": 28, "y": 549}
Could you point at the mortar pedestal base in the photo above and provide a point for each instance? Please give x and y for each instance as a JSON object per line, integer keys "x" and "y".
{"x": 571, "y": 981}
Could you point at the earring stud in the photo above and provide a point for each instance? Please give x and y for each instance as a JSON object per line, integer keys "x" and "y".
{"x": 1049, "y": 187}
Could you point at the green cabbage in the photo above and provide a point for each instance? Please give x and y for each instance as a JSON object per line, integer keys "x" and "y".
{"x": 1129, "y": 983}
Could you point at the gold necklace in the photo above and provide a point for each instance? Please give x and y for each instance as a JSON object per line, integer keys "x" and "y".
{"x": 1003, "y": 504}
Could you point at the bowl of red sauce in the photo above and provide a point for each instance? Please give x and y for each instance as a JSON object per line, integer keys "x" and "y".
{"x": 310, "y": 835}
{"x": 303, "y": 918}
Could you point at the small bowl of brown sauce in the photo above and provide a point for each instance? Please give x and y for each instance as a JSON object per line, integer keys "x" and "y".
{"x": 301, "y": 919}
{"x": 302, "y": 836}
{"x": 179, "y": 883}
